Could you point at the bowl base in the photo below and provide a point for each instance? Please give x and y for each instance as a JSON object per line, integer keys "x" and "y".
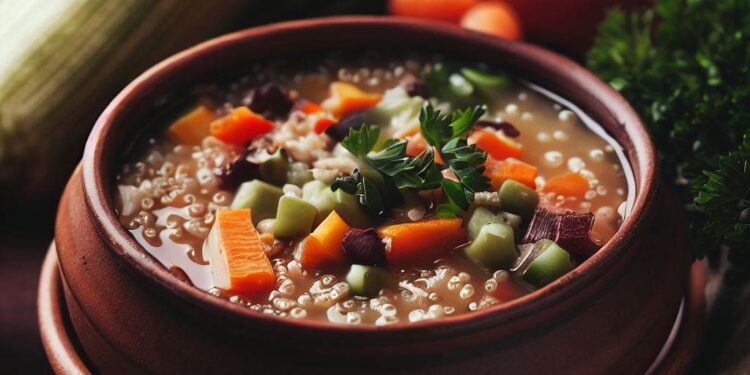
{"x": 66, "y": 357}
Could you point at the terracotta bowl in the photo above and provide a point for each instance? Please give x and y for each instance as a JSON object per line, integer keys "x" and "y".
{"x": 612, "y": 314}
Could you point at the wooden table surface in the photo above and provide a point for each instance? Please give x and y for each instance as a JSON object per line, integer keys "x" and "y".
{"x": 24, "y": 241}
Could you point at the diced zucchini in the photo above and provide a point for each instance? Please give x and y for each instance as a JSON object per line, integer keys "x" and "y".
{"x": 260, "y": 197}
{"x": 275, "y": 169}
{"x": 326, "y": 200}
{"x": 479, "y": 218}
{"x": 312, "y": 188}
{"x": 494, "y": 247}
{"x": 347, "y": 206}
{"x": 518, "y": 198}
{"x": 294, "y": 217}
{"x": 482, "y": 216}
{"x": 484, "y": 80}
{"x": 299, "y": 174}
{"x": 367, "y": 280}
{"x": 460, "y": 86}
{"x": 551, "y": 263}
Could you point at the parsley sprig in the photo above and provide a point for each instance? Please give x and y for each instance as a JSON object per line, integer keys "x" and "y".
{"x": 447, "y": 135}
{"x": 691, "y": 86}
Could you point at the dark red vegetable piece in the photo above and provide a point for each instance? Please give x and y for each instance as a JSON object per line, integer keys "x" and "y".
{"x": 340, "y": 130}
{"x": 568, "y": 229}
{"x": 242, "y": 169}
{"x": 507, "y": 128}
{"x": 414, "y": 86}
{"x": 364, "y": 246}
{"x": 270, "y": 100}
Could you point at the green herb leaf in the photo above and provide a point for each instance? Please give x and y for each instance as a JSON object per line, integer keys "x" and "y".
{"x": 463, "y": 120}
{"x": 366, "y": 191}
{"x": 691, "y": 86}
{"x": 360, "y": 142}
{"x": 436, "y": 127}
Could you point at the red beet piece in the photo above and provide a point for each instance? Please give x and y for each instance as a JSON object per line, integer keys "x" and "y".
{"x": 242, "y": 169}
{"x": 507, "y": 128}
{"x": 340, "y": 130}
{"x": 568, "y": 229}
{"x": 364, "y": 246}
{"x": 270, "y": 100}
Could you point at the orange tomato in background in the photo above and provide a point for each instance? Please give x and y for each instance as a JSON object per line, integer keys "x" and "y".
{"x": 567, "y": 25}
{"x": 495, "y": 18}
{"x": 442, "y": 10}
{"x": 570, "y": 25}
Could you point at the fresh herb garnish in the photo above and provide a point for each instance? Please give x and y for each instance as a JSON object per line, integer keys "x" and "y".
{"x": 446, "y": 134}
{"x": 464, "y": 160}
{"x": 361, "y": 141}
{"x": 366, "y": 191}
{"x": 691, "y": 85}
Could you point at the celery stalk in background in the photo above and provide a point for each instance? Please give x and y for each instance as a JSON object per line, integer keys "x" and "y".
{"x": 62, "y": 61}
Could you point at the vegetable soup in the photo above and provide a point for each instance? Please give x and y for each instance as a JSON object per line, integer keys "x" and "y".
{"x": 374, "y": 190}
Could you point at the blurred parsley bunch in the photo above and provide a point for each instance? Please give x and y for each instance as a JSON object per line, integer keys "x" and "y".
{"x": 685, "y": 67}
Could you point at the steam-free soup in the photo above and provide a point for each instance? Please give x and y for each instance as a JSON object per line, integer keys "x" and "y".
{"x": 374, "y": 191}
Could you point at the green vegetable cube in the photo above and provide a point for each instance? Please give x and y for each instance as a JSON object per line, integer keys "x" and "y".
{"x": 294, "y": 217}
{"x": 482, "y": 216}
{"x": 551, "y": 263}
{"x": 479, "y": 218}
{"x": 485, "y": 80}
{"x": 518, "y": 198}
{"x": 494, "y": 247}
{"x": 367, "y": 280}
{"x": 348, "y": 207}
{"x": 274, "y": 170}
{"x": 260, "y": 197}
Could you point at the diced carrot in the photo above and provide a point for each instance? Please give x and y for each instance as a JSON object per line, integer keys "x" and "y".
{"x": 322, "y": 124}
{"x": 421, "y": 242}
{"x": 494, "y": 18}
{"x": 498, "y": 146}
{"x": 310, "y": 107}
{"x": 323, "y": 246}
{"x": 236, "y": 257}
{"x": 415, "y": 144}
{"x": 569, "y": 184}
{"x": 512, "y": 170}
{"x": 346, "y": 98}
{"x": 191, "y": 128}
{"x": 444, "y": 10}
{"x": 240, "y": 127}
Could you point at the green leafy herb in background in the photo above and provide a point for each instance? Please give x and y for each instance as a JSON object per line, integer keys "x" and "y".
{"x": 685, "y": 67}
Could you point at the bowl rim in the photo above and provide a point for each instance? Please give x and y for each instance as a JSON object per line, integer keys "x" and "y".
{"x": 133, "y": 254}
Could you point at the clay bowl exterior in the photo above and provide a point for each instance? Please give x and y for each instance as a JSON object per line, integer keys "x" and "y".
{"x": 610, "y": 315}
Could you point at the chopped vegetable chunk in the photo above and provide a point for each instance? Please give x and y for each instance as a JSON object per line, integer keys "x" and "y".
{"x": 193, "y": 127}
{"x": 494, "y": 247}
{"x": 550, "y": 263}
{"x": 422, "y": 241}
{"x": 346, "y": 98}
{"x": 498, "y": 146}
{"x": 236, "y": 257}
{"x": 569, "y": 185}
{"x": 240, "y": 127}
{"x": 262, "y": 198}
{"x": 294, "y": 217}
{"x": 323, "y": 246}
{"x": 513, "y": 170}
{"x": 366, "y": 280}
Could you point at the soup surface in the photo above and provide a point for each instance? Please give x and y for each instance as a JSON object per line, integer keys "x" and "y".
{"x": 373, "y": 190}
